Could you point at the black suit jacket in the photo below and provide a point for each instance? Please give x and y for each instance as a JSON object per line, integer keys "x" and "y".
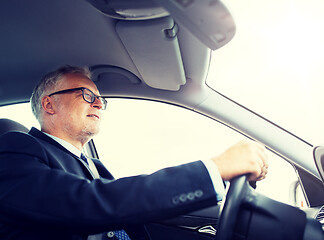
{"x": 47, "y": 193}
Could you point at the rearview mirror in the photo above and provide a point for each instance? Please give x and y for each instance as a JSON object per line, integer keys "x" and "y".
{"x": 208, "y": 20}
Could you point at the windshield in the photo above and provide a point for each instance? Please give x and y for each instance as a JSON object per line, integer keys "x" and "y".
{"x": 274, "y": 64}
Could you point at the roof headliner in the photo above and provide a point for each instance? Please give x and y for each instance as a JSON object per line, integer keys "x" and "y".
{"x": 39, "y": 36}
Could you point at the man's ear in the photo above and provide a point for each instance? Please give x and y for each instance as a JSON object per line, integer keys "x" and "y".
{"x": 47, "y": 105}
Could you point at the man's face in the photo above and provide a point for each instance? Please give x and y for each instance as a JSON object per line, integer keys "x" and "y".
{"x": 74, "y": 116}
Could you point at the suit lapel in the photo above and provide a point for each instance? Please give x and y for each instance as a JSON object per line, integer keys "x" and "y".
{"x": 38, "y": 134}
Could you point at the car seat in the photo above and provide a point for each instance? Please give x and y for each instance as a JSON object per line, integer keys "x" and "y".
{"x": 7, "y": 125}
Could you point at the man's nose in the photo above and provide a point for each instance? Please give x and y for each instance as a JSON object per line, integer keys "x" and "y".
{"x": 97, "y": 104}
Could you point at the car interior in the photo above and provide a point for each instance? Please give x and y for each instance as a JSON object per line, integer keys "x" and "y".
{"x": 160, "y": 50}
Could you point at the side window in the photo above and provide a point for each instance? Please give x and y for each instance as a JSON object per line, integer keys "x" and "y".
{"x": 21, "y": 113}
{"x": 140, "y": 137}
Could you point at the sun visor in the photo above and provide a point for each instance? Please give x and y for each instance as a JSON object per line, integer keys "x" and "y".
{"x": 153, "y": 47}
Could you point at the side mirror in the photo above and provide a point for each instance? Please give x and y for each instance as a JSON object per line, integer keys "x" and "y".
{"x": 296, "y": 195}
{"x": 319, "y": 160}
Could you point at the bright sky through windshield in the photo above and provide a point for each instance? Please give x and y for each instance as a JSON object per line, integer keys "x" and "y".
{"x": 274, "y": 64}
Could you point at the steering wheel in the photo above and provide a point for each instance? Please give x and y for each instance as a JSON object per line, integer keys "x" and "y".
{"x": 229, "y": 210}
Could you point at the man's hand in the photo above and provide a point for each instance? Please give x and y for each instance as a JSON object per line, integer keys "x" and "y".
{"x": 245, "y": 157}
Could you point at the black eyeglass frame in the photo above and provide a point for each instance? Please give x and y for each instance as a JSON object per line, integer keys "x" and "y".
{"x": 93, "y": 96}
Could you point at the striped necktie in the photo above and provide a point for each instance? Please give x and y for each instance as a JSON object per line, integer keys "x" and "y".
{"x": 84, "y": 158}
{"x": 91, "y": 166}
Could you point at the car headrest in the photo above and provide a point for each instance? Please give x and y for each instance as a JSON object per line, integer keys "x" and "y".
{"x": 7, "y": 125}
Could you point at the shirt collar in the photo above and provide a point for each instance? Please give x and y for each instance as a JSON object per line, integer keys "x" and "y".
{"x": 66, "y": 145}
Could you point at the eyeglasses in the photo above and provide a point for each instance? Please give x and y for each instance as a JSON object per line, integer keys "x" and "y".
{"x": 87, "y": 95}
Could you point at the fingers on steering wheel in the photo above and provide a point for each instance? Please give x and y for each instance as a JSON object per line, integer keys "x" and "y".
{"x": 260, "y": 171}
{"x": 263, "y": 162}
{"x": 264, "y": 172}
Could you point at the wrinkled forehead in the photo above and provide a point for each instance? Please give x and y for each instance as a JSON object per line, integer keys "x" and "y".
{"x": 76, "y": 80}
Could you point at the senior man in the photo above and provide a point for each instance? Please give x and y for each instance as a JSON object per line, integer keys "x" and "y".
{"x": 50, "y": 190}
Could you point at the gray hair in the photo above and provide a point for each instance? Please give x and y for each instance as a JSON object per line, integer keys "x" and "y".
{"x": 49, "y": 81}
